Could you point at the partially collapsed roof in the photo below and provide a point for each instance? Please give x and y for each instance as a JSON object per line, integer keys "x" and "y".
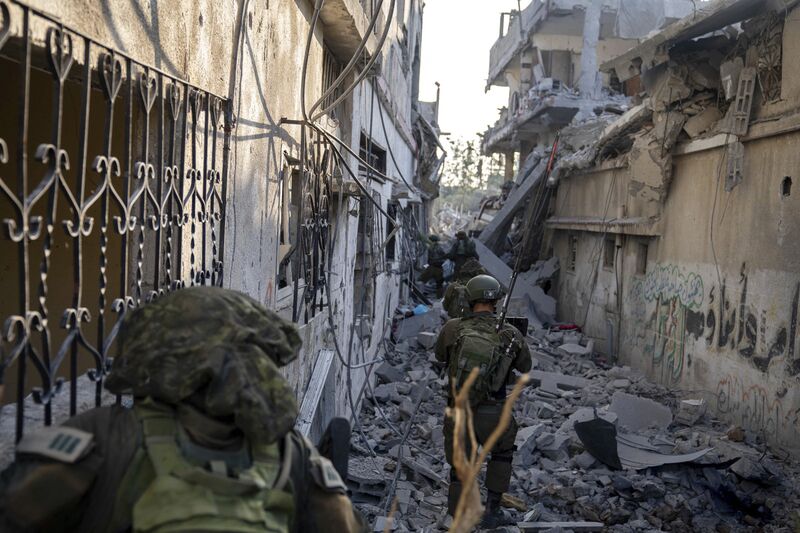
{"x": 709, "y": 17}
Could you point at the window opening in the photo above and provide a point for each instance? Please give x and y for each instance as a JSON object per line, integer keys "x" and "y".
{"x": 641, "y": 259}
{"x": 573, "y": 253}
{"x": 786, "y": 187}
{"x": 610, "y": 251}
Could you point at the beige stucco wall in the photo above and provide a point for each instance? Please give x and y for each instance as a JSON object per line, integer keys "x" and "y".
{"x": 723, "y": 328}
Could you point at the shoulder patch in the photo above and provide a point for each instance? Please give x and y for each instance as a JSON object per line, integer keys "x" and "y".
{"x": 325, "y": 475}
{"x": 61, "y": 443}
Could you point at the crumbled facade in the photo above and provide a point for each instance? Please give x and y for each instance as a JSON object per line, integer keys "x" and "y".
{"x": 673, "y": 228}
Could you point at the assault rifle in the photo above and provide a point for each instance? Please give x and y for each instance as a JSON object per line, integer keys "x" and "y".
{"x": 525, "y": 243}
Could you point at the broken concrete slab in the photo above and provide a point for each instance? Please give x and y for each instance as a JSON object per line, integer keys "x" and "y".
{"x": 554, "y": 382}
{"x": 422, "y": 469}
{"x": 410, "y": 327}
{"x": 427, "y": 339}
{"x": 702, "y": 122}
{"x": 384, "y": 523}
{"x": 574, "y": 349}
{"x": 545, "y": 305}
{"x": 495, "y": 231}
{"x": 560, "y": 526}
{"x": 690, "y": 411}
{"x": 636, "y": 413}
{"x": 386, "y": 373}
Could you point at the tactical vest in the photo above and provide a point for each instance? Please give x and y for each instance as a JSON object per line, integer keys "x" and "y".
{"x": 436, "y": 255}
{"x": 182, "y": 496}
{"x": 478, "y": 345}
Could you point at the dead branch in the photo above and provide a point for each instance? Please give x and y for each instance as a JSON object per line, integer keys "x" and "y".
{"x": 469, "y": 510}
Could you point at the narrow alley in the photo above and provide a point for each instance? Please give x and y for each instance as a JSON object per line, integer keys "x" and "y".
{"x": 399, "y": 266}
{"x": 681, "y": 468}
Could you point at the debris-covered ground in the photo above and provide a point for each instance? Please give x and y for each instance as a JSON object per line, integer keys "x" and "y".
{"x": 723, "y": 480}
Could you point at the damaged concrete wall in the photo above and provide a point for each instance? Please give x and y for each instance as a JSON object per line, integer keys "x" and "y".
{"x": 721, "y": 318}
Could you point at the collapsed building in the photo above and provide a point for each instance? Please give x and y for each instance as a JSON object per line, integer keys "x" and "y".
{"x": 276, "y": 148}
{"x": 670, "y": 212}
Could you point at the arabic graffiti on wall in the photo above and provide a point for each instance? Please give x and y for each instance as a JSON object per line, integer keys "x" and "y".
{"x": 677, "y": 308}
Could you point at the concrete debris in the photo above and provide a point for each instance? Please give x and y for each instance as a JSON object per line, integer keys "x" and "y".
{"x": 636, "y": 413}
{"x": 531, "y": 173}
{"x": 410, "y": 327}
{"x": 384, "y": 523}
{"x": 735, "y": 159}
{"x": 544, "y": 305}
{"x": 690, "y": 411}
{"x": 560, "y": 526}
{"x": 386, "y": 373}
{"x": 426, "y": 339}
{"x": 702, "y": 122}
{"x": 558, "y": 477}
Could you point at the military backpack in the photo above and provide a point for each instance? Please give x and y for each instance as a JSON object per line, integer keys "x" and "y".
{"x": 478, "y": 345}
{"x": 457, "y": 304}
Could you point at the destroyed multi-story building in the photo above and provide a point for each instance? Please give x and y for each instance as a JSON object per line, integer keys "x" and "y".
{"x": 672, "y": 216}
{"x": 277, "y": 148}
{"x": 538, "y": 56}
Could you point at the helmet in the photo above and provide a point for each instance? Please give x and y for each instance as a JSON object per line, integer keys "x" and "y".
{"x": 483, "y": 288}
{"x": 461, "y": 234}
{"x": 434, "y": 238}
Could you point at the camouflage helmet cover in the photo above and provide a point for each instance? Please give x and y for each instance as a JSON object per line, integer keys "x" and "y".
{"x": 433, "y": 238}
{"x": 483, "y": 288}
{"x": 217, "y": 341}
{"x": 470, "y": 269}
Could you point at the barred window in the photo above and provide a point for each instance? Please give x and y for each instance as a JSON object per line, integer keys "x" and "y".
{"x": 112, "y": 188}
{"x": 331, "y": 69}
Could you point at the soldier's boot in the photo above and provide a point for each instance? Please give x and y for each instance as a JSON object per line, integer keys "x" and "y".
{"x": 494, "y": 516}
{"x": 454, "y": 493}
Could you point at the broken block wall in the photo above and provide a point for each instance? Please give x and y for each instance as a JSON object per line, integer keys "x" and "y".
{"x": 717, "y": 320}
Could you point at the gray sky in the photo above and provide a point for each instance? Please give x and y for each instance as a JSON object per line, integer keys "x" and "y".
{"x": 456, "y": 38}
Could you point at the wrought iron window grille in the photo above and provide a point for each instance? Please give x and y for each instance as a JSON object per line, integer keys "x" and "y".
{"x": 305, "y": 216}
{"x": 96, "y": 223}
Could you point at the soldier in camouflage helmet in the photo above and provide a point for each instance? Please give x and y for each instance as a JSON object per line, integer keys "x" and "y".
{"x": 462, "y": 249}
{"x": 455, "y": 297}
{"x": 436, "y": 258}
{"x": 208, "y": 445}
{"x": 474, "y": 341}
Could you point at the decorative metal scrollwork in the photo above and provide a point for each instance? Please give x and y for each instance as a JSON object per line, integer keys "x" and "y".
{"x": 106, "y": 224}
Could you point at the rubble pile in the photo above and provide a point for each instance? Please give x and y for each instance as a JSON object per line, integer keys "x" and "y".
{"x": 449, "y": 219}
{"x": 599, "y": 448}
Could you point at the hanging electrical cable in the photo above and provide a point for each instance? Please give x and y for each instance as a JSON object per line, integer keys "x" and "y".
{"x": 365, "y": 71}
{"x": 353, "y": 60}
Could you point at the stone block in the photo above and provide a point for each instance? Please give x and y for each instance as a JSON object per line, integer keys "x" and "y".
{"x": 427, "y": 339}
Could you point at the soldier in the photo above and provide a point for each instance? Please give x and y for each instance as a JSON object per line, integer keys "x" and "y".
{"x": 455, "y": 297}
{"x": 207, "y": 446}
{"x": 461, "y": 250}
{"x": 473, "y": 341}
{"x": 436, "y": 258}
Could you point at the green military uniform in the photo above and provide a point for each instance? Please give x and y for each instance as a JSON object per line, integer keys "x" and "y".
{"x": 510, "y": 352}
{"x": 455, "y": 297}
{"x": 434, "y": 271}
{"x": 208, "y": 446}
{"x": 461, "y": 250}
